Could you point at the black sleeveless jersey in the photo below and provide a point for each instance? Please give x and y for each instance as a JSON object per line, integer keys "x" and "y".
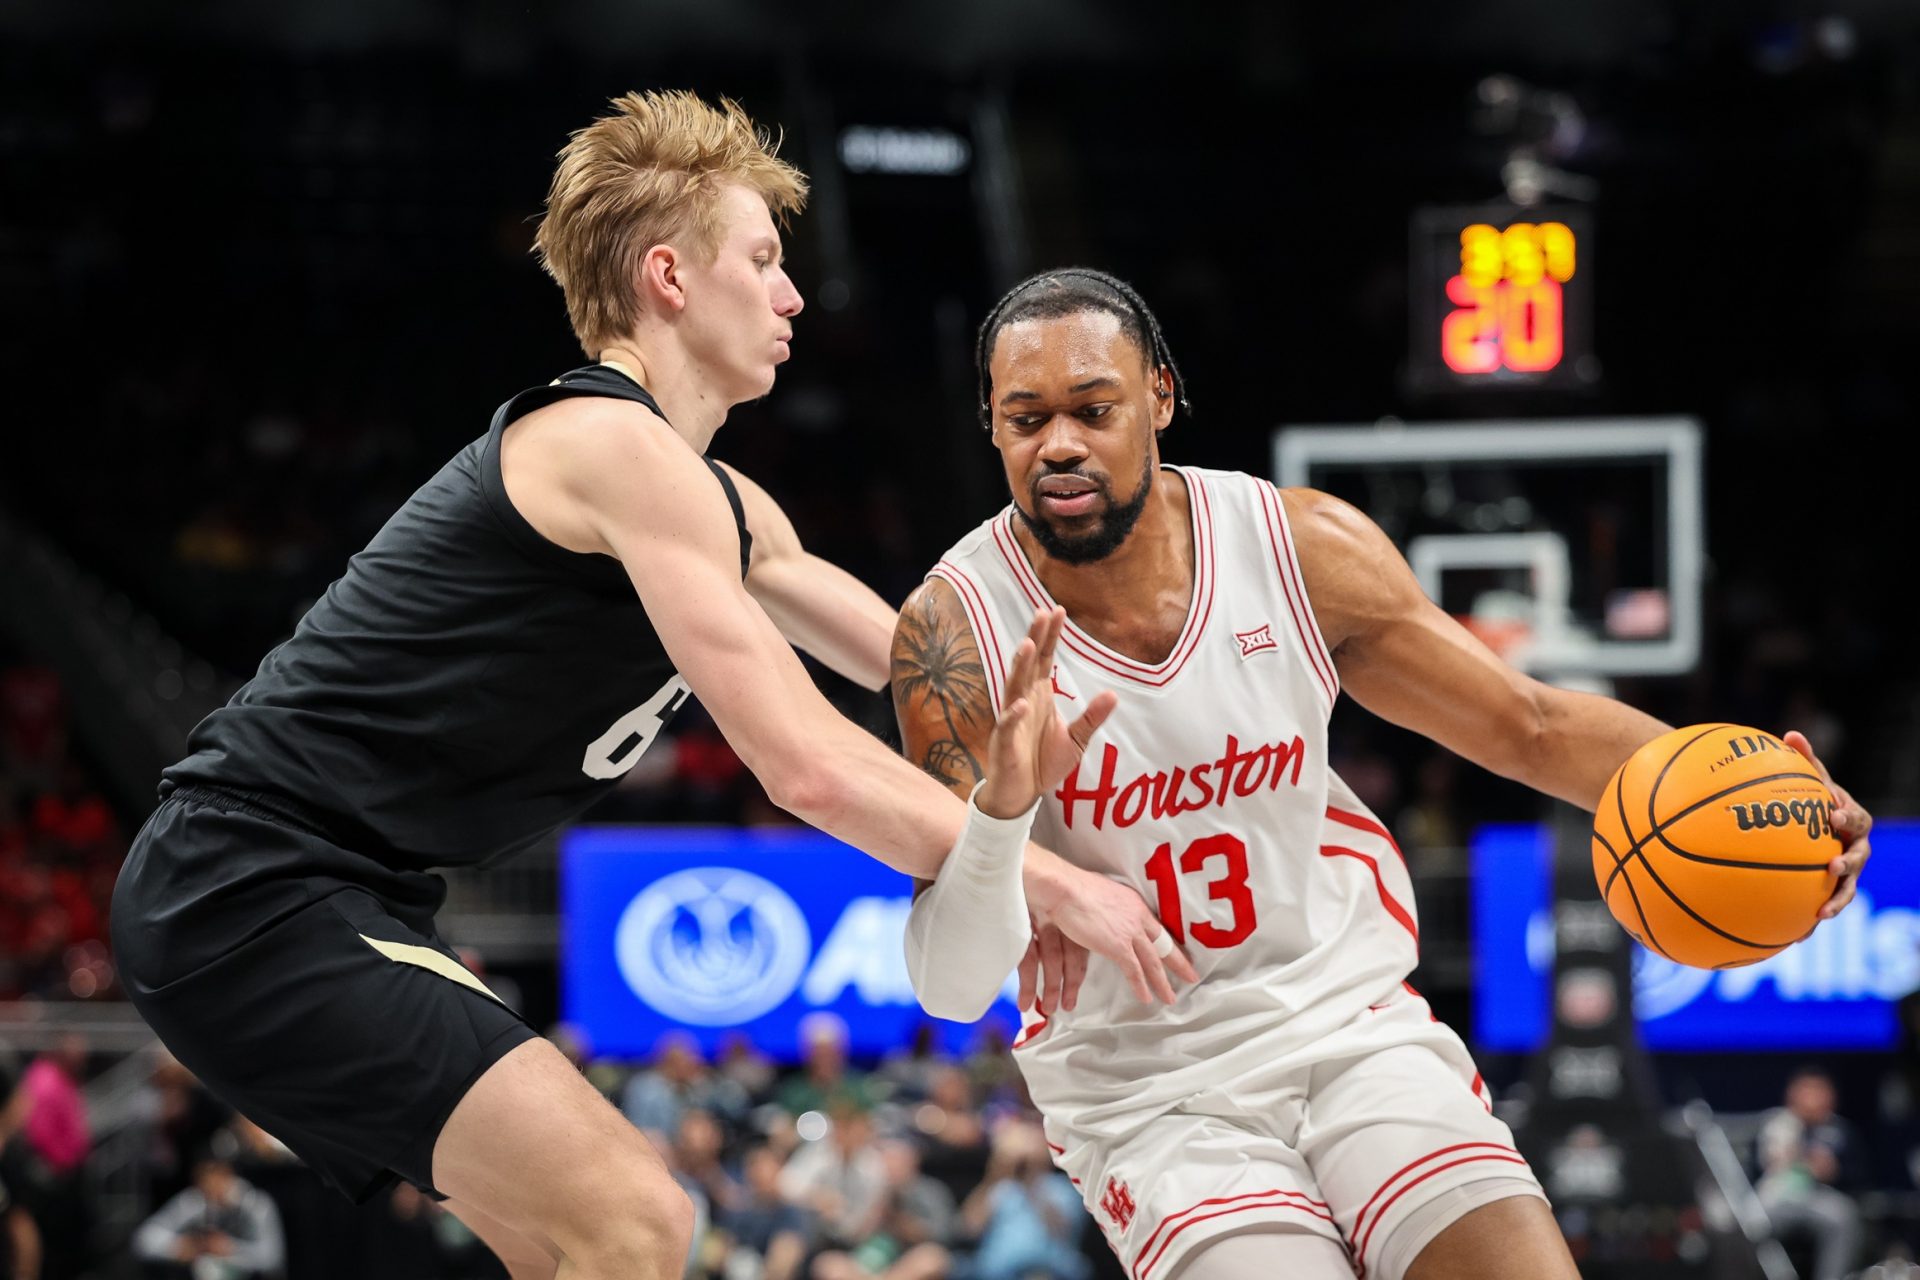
{"x": 465, "y": 688}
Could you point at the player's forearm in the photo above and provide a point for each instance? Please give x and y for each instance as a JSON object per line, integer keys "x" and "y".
{"x": 846, "y": 782}
{"x": 828, "y": 613}
{"x": 1580, "y": 741}
{"x": 822, "y": 768}
{"x": 1047, "y": 880}
{"x": 857, "y": 791}
{"x": 814, "y": 763}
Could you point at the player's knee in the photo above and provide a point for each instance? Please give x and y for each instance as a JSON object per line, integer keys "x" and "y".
{"x": 635, "y": 1222}
{"x": 676, "y": 1222}
{"x": 661, "y": 1229}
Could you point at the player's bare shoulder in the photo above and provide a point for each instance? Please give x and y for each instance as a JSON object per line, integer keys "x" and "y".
{"x": 570, "y": 465}
{"x": 940, "y": 687}
{"x": 1355, "y": 576}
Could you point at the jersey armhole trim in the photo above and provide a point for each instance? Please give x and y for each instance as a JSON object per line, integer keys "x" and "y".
{"x": 592, "y": 381}
{"x": 518, "y": 529}
{"x": 739, "y": 513}
{"x": 980, "y": 620}
{"x": 1287, "y": 564}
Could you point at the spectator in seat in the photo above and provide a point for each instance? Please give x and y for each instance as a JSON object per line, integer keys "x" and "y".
{"x": 840, "y": 1178}
{"x": 58, "y": 1137}
{"x": 910, "y": 1070}
{"x": 181, "y": 1119}
{"x": 220, "y": 1228}
{"x": 954, "y": 1147}
{"x": 21, "y": 1232}
{"x": 56, "y": 1125}
{"x": 824, "y": 1080}
{"x": 656, "y": 1100}
{"x": 745, "y": 1067}
{"x": 697, "y": 1152}
{"x": 1806, "y": 1152}
{"x": 1027, "y": 1215}
{"x": 910, "y": 1240}
{"x": 769, "y": 1234}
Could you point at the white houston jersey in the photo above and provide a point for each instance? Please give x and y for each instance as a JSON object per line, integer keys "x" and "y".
{"x": 1208, "y": 792}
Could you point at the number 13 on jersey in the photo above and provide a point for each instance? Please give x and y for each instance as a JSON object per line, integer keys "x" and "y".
{"x": 1222, "y": 859}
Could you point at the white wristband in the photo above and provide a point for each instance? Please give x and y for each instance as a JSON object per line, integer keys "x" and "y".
{"x": 988, "y": 836}
{"x": 973, "y": 918}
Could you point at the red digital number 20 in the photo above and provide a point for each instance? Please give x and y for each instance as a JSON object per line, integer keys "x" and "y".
{"x": 1230, "y": 887}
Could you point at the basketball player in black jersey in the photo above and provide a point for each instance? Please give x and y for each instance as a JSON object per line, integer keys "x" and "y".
{"x": 499, "y": 654}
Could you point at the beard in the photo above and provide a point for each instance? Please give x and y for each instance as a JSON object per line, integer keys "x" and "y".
{"x": 1101, "y": 541}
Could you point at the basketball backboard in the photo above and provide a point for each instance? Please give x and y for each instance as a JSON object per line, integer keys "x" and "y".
{"x": 1573, "y": 546}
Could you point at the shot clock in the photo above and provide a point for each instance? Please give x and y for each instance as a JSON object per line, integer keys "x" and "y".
{"x": 1501, "y": 298}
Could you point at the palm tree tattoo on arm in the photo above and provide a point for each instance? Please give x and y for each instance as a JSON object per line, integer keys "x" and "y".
{"x": 938, "y": 663}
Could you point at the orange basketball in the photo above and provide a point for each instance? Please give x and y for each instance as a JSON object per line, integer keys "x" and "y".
{"x": 1711, "y": 845}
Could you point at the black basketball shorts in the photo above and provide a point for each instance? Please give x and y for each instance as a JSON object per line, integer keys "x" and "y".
{"x": 304, "y": 984}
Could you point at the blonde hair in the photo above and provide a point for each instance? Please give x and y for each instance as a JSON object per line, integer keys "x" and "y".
{"x": 652, "y": 172}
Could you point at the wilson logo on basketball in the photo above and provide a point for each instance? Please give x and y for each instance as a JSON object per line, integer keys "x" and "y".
{"x": 1814, "y": 815}
{"x": 1238, "y": 771}
{"x": 1117, "y": 1201}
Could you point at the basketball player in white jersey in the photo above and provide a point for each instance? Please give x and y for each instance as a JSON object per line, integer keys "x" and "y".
{"x": 1298, "y": 1112}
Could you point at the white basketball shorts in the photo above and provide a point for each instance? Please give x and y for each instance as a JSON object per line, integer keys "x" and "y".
{"x": 1376, "y": 1137}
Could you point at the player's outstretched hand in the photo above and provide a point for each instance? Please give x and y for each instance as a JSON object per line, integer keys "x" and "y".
{"x": 1850, "y": 822}
{"x": 1031, "y": 750}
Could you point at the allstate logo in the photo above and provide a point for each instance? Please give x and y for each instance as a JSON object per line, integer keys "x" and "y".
{"x": 712, "y": 946}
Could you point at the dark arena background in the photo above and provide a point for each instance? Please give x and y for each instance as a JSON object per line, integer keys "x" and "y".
{"x": 265, "y": 267}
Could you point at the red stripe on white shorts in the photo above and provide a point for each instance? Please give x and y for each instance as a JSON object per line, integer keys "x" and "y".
{"x": 1271, "y": 1199}
{"x": 1477, "y": 1152}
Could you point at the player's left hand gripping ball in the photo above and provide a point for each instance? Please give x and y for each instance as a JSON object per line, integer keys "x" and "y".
{"x": 1850, "y": 822}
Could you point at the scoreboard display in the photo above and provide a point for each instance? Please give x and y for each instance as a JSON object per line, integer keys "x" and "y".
{"x": 1501, "y": 298}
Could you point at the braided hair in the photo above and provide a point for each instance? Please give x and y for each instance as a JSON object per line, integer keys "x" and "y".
{"x": 1069, "y": 291}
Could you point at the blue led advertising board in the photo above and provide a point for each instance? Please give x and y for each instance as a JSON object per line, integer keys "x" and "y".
{"x": 1836, "y": 990}
{"x": 712, "y": 930}
{"x": 709, "y": 930}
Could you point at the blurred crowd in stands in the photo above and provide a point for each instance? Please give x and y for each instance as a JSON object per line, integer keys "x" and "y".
{"x": 60, "y": 847}
{"x": 919, "y": 1166}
